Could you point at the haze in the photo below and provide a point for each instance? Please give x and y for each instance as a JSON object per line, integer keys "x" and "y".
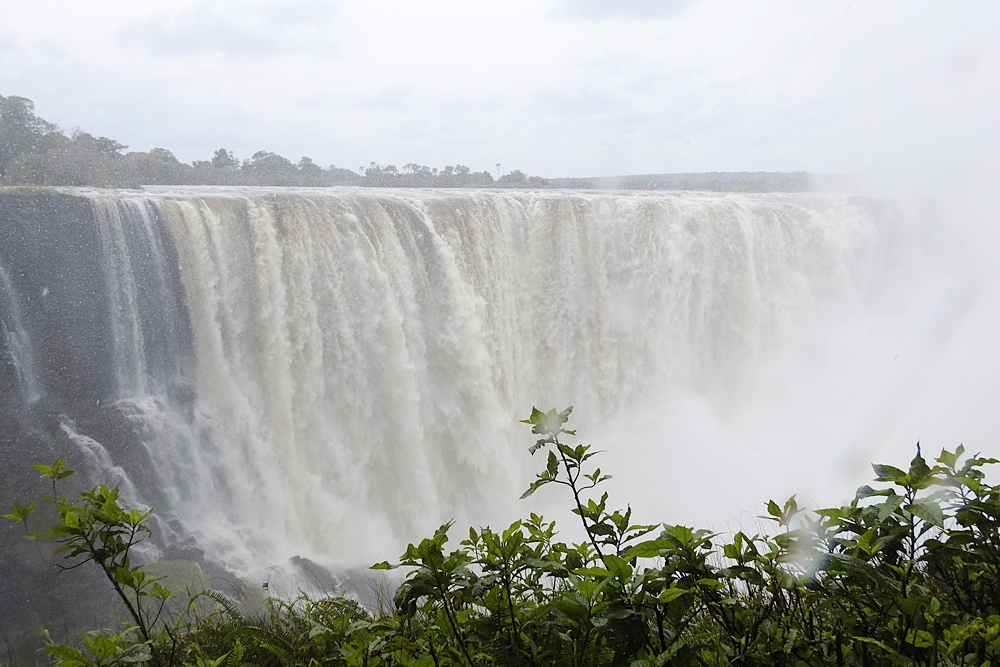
{"x": 551, "y": 87}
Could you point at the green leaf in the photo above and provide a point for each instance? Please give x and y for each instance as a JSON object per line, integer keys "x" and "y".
{"x": 547, "y": 423}
{"x": 670, "y": 594}
{"x": 910, "y": 606}
{"x": 618, "y": 567}
{"x": 867, "y": 492}
{"x": 538, "y": 445}
{"x": 161, "y": 593}
{"x": 538, "y": 483}
{"x": 137, "y": 653}
{"x": 929, "y": 511}
{"x": 773, "y": 509}
{"x": 57, "y": 470}
{"x": 950, "y": 458}
{"x": 898, "y": 658}
{"x": 886, "y": 473}
{"x": 552, "y": 467}
{"x": 20, "y": 512}
{"x": 919, "y": 472}
{"x": 865, "y": 542}
{"x": 889, "y": 506}
{"x": 536, "y": 417}
{"x": 921, "y": 639}
{"x": 648, "y": 549}
{"x": 599, "y": 572}
{"x": 67, "y": 655}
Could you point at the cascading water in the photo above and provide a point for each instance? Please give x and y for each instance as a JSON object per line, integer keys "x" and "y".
{"x": 18, "y": 344}
{"x": 329, "y": 373}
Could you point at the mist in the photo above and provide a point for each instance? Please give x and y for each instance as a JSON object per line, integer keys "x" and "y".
{"x": 557, "y": 88}
{"x": 901, "y": 97}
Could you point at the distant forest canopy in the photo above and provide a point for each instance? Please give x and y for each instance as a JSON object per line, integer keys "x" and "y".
{"x": 719, "y": 181}
{"x": 34, "y": 151}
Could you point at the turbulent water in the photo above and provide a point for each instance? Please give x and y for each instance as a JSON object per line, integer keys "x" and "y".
{"x": 327, "y": 373}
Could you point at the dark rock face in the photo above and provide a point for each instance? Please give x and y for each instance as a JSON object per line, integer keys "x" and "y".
{"x": 51, "y": 252}
{"x": 58, "y": 366}
{"x": 55, "y": 305}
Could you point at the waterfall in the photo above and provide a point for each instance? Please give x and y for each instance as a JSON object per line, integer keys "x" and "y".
{"x": 18, "y": 343}
{"x": 328, "y": 373}
{"x": 148, "y": 325}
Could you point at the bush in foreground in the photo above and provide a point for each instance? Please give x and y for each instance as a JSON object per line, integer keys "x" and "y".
{"x": 906, "y": 574}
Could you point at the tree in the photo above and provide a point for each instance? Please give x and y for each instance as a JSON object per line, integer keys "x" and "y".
{"x": 224, "y": 159}
{"x": 21, "y": 131}
{"x": 266, "y": 168}
{"x": 515, "y": 179}
{"x": 158, "y": 166}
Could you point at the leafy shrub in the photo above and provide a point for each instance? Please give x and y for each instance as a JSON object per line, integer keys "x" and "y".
{"x": 906, "y": 574}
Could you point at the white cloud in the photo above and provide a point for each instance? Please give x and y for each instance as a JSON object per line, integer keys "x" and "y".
{"x": 642, "y": 10}
{"x": 552, "y": 87}
{"x": 247, "y": 29}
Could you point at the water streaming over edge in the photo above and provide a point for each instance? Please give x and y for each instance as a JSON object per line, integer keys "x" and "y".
{"x": 329, "y": 373}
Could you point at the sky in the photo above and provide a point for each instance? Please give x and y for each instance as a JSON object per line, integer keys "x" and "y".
{"x": 551, "y": 87}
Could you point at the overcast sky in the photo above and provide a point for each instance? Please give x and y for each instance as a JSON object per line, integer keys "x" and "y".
{"x": 551, "y": 87}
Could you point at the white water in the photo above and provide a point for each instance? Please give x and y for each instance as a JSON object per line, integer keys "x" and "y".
{"x": 361, "y": 358}
{"x": 19, "y": 343}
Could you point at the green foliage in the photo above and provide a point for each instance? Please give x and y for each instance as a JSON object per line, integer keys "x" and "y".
{"x": 905, "y": 574}
{"x": 94, "y": 527}
{"x": 36, "y": 152}
{"x": 100, "y": 649}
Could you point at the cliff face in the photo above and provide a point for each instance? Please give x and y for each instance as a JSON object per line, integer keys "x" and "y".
{"x": 60, "y": 310}
{"x": 50, "y": 251}
{"x": 56, "y": 360}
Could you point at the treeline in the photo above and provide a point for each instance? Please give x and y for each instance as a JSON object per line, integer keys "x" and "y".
{"x": 34, "y": 151}
{"x": 415, "y": 175}
{"x": 717, "y": 181}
